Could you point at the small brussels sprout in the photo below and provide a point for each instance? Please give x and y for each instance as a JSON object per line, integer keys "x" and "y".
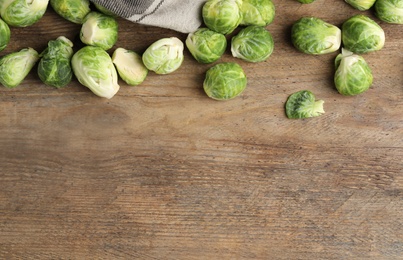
{"x": 205, "y": 45}
{"x": 302, "y": 104}
{"x": 94, "y": 69}
{"x": 54, "y": 67}
{"x": 225, "y": 81}
{"x": 71, "y": 10}
{"x": 353, "y": 75}
{"x": 22, "y": 13}
{"x": 312, "y": 35}
{"x": 99, "y": 30}
{"x": 253, "y": 44}
{"x": 164, "y": 56}
{"x": 306, "y": 1}
{"x": 257, "y": 12}
{"x": 361, "y": 5}
{"x": 104, "y": 10}
{"x": 130, "y": 66}
{"x": 14, "y": 67}
{"x": 4, "y": 34}
{"x": 361, "y": 34}
{"x": 390, "y": 11}
{"x": 222, "y": 16}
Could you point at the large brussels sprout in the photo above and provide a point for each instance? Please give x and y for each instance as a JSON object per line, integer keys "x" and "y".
{"x": 225, "y": 81}
{"x": 130, "y": 66}
{"x": 312, "y": 35}
{"x": 205, "y": 45}
{"x": 302, "y": 104}
{"x": 94, "y": 69}
{"x": 253, "y": 44}
{"x": 99, "y": 30}
{"x": 14, "y": 67}
{"x": 390, "y": 11}
{"x": 164, "y": 56}
{"x": 54, "y": 67}
{"x": 257, "y": 12}
{"x": 361, "y": 34}
{"x": 361, "y": 4}
{"x": 222, "y": 16}
{"x": 353, "y": 75}
{"x": 72, "y": 10}
{"x": 306, "y": 1}
{"x": 4, "y": 34}
{"x": 22, "y": 13}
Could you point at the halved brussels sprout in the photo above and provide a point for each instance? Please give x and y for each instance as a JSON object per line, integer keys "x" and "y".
{"x": 257, "y": 12}
{"x": 361, "y": 34}
{"x": 130, "y": 66}
{"x": 306, "y": 1}
{"x": 22, "y": 13}
{"x": 253, "y": 44}
{"x": 302, "y": 104}
{"x": 353, "y": 75}
{"x": 14, "y": 67}
{"x": 361, "y": 5}
{"x": 390, "y": 11}
{"x": 54, "y": 67}
{"x": 225, "y": 81}
{"x": 222, "y": 16}
{"x": 94, "y": 69}
{"x": 99, "y": 30}
{"x": 164, "y": 56}
{"x": 4, "y": 34}
{"x": 312, "y": 35}
{"x": 72, "y": 10}
{"x": 205, "y": 45}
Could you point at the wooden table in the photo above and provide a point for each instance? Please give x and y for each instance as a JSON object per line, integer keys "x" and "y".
{"x": 160, "y": 171}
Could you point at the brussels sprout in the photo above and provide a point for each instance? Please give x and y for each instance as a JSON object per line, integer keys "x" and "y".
{"x": 361, "y": 34}
{"x": 205, "y": 45}
{"x": 71, "y": 10}
{"x": 253, "y": 44}
{"x": 22, "y": 13}
{"x": 390, "y": 11}
{"x": 353, "y": 75}
{"x": 361, "y": 5}
{"x": 94, "y": 69}
{"x": 225, "y": 81}
{"x": 222, "y": 16}
{"x": 164, "y": 56}
{"x": 129, "y": 66}
{"x": 312, "y": 35}
{"x": 302, "y": 104}
{"x": 257, "y": 12}
{"x": 4, "y": 35}
{"x": 99, "y": 30}
{"x": 104, "y": 10}
{"x": 54, "y": 67}
{"x": 306, "y": 1}
{"x": 15, "y": 66}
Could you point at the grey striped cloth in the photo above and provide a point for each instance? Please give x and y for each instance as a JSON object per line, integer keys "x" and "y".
{"x": 179, "y": 15}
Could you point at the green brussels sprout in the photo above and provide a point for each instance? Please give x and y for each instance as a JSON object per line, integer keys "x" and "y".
{"x": 225, "y": 81}
{"x": 94, "y": 69}
{"x": 390, "y": 11}
{"x": 4, "y": 34}
{"x": 257, "y": 12}
{"x": 164, "y": 56}
{"x": 361, "y": 5}
{"x": 54, "y": 67}
{"x": 361, "y": 34}
{"x": 14, "y": 67}
{"x": 353, "y": 75}
{"x": 312, "y": 35}
{"x": 306, "y": 1}
{"x": 71, "y": 10}
{"x": 205, "y": 45}
{"x": 99, "y": 30}
{"x": 104, "y": 10}
{"x": 130, "y": 66}
{"x": 22, "y": 13}
{"x": 222, "y": 16}
{"x": 253, "y": 44}
{"x": 302, "y": 104}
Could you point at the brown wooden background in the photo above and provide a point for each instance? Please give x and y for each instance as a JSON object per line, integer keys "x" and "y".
{"x": 161, "y": 171}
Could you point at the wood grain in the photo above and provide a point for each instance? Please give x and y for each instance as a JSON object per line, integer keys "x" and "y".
{"x": 161, "y": 171}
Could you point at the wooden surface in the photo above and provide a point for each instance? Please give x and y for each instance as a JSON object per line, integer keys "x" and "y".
{"x": 161, "y": 171}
